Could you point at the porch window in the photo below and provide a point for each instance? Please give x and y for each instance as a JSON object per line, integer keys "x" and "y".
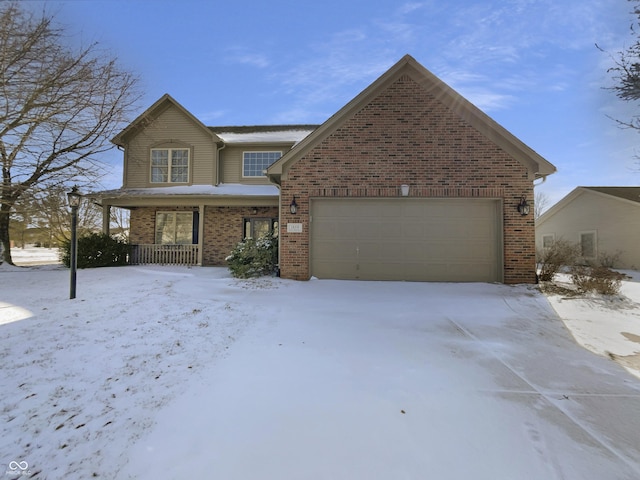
{"x": 255, "y": 163}
{"x": 588, "y": 244}
{"x": 259, "y": 227}
{"x": 176, "y": 228}
{"x": 169, "y": 165}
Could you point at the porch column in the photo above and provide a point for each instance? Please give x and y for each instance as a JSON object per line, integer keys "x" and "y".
{"x": 200, "y": 233}
{"x": 106, "y": 218}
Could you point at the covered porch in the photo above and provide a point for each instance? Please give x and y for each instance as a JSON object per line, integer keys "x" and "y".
{"x": 195, "y": 229}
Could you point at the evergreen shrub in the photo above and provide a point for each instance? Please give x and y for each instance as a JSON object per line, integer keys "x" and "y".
{"x": 96, "y": 250}
{"x": 254, "y": 257}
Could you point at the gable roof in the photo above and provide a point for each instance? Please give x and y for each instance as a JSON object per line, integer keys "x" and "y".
{"x": 629, "y": 195}
{"x": 159, "y": 106}
{"x": 538, "y": 166}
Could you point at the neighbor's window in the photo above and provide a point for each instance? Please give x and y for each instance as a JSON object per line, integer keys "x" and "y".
{"x": 255, "y": 163}
{"x": 259, "y": 227}
{"x": 169, "y": 165}
{"x": 588, "y": 244}
{"x": 548, "y": 240}
{"x": 176, "y": 228}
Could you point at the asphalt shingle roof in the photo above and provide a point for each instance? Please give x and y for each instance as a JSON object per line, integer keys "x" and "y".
{"x": 628, "y": 193}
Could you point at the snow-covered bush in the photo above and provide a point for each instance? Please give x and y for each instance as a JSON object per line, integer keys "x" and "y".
{"x": 254, "y": 257}
{"x": 96, "y": 250}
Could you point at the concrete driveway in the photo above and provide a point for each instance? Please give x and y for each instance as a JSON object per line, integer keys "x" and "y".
{"x": 401, "y": 380}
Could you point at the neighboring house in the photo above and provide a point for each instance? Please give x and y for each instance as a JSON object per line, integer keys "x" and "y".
{"x": 603, "y": 221}
{"x": 408, "y": 181}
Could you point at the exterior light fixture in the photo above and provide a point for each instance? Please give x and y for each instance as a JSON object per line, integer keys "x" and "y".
{"x": 523, "y": 207}
{"x": 293, "y": 207}
{"x": 404, "y": 190}
{"x": 74, "y": 197}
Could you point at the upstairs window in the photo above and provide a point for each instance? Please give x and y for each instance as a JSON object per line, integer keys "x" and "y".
{"x": 170, "y": 165}
{"x": 255, "y": 163}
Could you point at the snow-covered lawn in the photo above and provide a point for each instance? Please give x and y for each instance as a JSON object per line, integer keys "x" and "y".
{"x": 173, "y": 373}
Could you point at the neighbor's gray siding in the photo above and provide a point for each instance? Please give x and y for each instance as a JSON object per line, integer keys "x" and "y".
{"x": 616, "y": 223}
{"x": 171, "y": 125}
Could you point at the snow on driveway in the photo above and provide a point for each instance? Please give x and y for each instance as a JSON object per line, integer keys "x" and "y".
{"x": 172, "y": 373}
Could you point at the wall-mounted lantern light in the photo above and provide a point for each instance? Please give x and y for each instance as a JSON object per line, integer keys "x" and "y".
{"x": 293, "y": 207}
{"x": 404, "y": 190}
{"x": 523, "y": 207}
{"x": 73, "y": 197}
{"x": 254, "y": 210}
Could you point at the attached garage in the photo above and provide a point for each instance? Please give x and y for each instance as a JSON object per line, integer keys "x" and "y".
{"x": 415, "y": 239}
{"x": 346, "y": 214}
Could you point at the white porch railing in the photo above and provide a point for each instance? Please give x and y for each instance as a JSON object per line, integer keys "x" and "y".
{"x": 146, "y": 254}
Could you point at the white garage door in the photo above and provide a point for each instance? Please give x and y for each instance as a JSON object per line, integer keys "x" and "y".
{"x": 442, "y": 240}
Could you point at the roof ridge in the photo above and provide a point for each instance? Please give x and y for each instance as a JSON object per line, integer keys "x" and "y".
{"x": 262, "y": 128}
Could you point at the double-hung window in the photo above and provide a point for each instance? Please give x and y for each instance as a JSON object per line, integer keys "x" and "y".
{"x": 255, "y": 163}
{"x": 170, "y": 165}
{"x": 588, "y": 245}
{"x": 548, "y": 240}
{"x": 176, "y": 228}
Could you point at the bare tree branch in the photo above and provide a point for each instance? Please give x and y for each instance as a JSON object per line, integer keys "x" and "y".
{"x": 59, "y": 108}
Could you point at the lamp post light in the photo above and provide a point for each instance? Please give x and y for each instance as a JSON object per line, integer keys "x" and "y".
{"x": 73, "y": 198}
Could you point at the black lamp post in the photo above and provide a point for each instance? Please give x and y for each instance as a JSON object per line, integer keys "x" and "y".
{"x": 74, "y": 202}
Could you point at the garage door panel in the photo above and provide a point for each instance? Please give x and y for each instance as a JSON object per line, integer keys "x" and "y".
{"x": 406, "y": 239}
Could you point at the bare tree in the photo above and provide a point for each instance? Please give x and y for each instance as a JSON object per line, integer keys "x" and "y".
{"x": 626, "y": 70}
{"x": 58, "y": 109}
{"x": 540, "y": 203}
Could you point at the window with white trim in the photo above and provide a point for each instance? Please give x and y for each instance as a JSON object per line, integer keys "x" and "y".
{"x": 255, "y": 163}
{"x": 548, "y": 240}
{"x": 169, "y": 165}
{"x": 588, "y": 244}
{"x": 176, "y": 228}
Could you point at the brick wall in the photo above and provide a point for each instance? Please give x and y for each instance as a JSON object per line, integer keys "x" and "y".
{"x": 223, "y": 230}
{"x": 222, "y": 227}
{"x": 406, "y": 136}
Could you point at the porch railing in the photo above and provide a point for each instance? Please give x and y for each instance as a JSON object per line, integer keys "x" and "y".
{"x": 146, "y": 254}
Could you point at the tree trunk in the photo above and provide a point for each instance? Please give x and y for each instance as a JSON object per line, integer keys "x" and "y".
{"x": 4, "y": 235}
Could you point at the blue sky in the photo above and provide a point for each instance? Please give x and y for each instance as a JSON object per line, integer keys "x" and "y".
{"x": 532, "y": 65}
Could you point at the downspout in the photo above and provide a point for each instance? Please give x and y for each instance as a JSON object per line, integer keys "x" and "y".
{"x": 218, "y": 150}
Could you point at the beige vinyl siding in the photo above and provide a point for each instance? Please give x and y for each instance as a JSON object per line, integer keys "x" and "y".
{"x": 170, "y": 127}
{"x": 231, "y": 162}
{"x": 616, "y": 225}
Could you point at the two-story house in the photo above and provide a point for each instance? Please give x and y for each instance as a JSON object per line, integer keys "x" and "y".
{"x": 194, "y": 191}
{"x": 408, "y": 181}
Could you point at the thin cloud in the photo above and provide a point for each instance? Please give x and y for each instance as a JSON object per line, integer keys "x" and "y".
{"x": 243, "y": 57}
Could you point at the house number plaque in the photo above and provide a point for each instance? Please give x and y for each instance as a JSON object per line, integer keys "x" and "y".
{"x": 294, "y": 228}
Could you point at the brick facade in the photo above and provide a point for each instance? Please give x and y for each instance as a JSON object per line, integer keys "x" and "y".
{"x": 223, "y": 230}
{"x": 407, "y": 136}
{"x": 223, "y": 227}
